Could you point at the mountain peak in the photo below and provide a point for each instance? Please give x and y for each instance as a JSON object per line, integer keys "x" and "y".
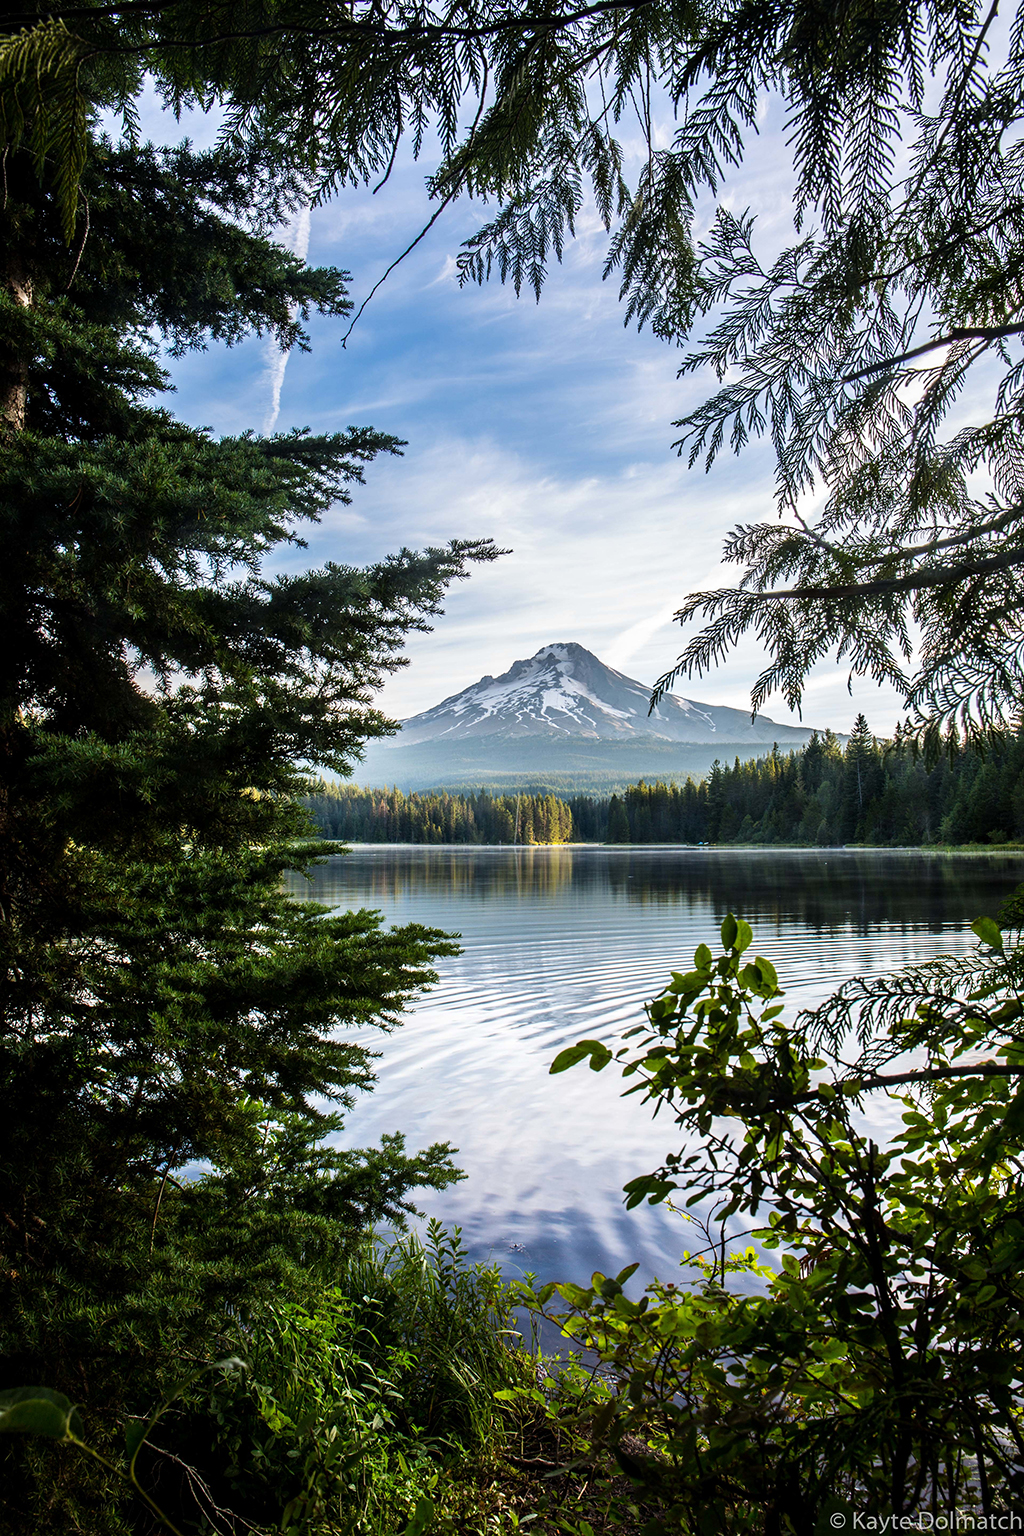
{"x": 563, "y": 649}
{"x": 563, "y": 691}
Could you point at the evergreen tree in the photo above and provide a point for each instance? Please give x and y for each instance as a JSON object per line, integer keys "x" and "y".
{"x": 164, "y": 1007}
{"x": 618, "y": 822}
{"x": 856, "y": 783}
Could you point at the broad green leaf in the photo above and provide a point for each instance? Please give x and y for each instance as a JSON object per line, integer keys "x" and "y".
{"x": 692, "y": 981}
{"x": 744, "y": 937}
{"x": 599, "y": 1055}
{"x": 654, "y": 1189}
{"x": 134, "y": 1435}
{"x": 422, "y": 1517}
{"x": 769, "y": 975}
{"x": 730, "y": 928}
{"x": 575, "y": 1295}
{"x": 39, "y": 1411}
{"x": 702, "y": 957}
{"x": 988, "y": 932}
{"x": 518, "y": 1395}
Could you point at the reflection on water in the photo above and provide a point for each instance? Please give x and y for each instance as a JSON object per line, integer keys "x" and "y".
{"x": 825, "y": 889}
{"x": 561, "y": 943}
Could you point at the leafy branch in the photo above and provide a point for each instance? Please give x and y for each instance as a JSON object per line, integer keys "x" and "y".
{"x": 51, "y": 1415}
{"x": 870, "y": 1365}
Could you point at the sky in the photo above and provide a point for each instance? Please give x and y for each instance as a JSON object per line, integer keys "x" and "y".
{"x": 547, "y": 427}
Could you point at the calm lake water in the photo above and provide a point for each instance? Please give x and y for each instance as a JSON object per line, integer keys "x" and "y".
{"x": 563, "y": 943}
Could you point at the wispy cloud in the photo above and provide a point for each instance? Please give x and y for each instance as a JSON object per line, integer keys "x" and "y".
{"x": 620, "y": 652}
{"x": 296, "y": 240}
{"x": 547, "y": 427}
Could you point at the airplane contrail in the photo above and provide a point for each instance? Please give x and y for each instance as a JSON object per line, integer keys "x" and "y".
{"x": 297, "y": 241}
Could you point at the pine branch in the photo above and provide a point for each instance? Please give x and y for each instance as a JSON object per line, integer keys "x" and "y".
{"x": 962, "y": 333}
{"x": 945, "y": 576}
{"x": 435, "y": 32}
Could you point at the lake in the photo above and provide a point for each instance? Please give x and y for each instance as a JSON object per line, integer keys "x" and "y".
{"x": 566, "y": 942}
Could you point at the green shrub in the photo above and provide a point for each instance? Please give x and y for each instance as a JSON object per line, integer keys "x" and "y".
{"x": 875, "y": 1367}
{"x": 358, "y": 1412}
{"x": 351, "y": 1407}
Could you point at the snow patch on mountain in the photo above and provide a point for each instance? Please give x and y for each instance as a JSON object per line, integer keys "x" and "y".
{"x": 565, "y": 691}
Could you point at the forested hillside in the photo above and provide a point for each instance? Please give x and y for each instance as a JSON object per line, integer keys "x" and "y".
{"x": 874, "y": 792}
{"x": 871, "y": 792}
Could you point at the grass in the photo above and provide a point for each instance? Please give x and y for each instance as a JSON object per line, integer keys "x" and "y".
{"x": 405, "y": 1402}
{"x": 401, "y": 1401}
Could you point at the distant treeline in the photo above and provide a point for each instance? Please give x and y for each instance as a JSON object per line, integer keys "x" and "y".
{"x": 872, "y": 792}
{"x": 435, "y": 816}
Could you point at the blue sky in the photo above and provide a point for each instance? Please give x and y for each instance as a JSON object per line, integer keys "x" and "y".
{"x": 546, "y": 427}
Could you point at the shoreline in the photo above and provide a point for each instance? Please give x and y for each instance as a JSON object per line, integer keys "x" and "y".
{"x": 945, "y": 848}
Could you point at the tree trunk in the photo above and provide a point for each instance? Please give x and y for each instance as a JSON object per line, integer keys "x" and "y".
{"x": 13, "y": 368}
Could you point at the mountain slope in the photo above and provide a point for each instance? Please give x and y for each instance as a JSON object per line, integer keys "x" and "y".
{"x": 565, "y": 691}
{"x": 563, "y": 712}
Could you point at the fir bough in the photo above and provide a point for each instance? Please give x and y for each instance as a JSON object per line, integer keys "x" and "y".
{"x": 177, "y": 1043}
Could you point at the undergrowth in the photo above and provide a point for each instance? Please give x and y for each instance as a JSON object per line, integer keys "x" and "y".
{"x": 402, "y": 1401}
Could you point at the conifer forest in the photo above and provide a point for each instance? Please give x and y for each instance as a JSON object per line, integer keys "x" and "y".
{"x": 880, "y": 793}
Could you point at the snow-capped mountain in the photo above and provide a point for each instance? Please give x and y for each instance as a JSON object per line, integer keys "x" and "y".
{"x": 564, "y": 692}
{"x": 565, "y": 720}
